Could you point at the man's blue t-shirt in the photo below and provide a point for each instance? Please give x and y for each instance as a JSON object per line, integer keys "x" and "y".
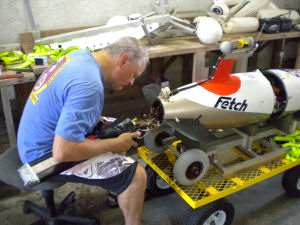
{"x": 66, "y": 100}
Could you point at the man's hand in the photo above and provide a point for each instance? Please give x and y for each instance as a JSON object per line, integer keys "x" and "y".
{"x": 126, "y": 141}
{"x": 65, "y": 150}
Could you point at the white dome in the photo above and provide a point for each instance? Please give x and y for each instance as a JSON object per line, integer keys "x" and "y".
{"x": 209, "y": 31}
{"x": 116, "y": 20}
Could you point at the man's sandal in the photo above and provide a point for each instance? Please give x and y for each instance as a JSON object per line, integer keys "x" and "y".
{"x": 112, "y": 199}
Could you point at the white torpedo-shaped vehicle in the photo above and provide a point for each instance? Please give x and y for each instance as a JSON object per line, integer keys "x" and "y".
{"x": 245, "y": 102}
{"x": 233, "y": 100}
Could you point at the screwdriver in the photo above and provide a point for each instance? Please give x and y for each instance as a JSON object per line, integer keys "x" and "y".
{"x": 3, "y": 77}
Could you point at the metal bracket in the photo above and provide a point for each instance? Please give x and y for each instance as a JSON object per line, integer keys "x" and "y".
{"x": 106, "y": 31}
{"x": 101, "y": 36}
{"x": 146, "y": 32}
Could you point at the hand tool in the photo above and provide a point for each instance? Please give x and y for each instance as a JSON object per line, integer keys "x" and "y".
{"x": 10, "y": 76}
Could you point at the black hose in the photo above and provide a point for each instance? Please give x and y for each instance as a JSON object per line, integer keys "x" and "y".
{"x": 214, "y": 68}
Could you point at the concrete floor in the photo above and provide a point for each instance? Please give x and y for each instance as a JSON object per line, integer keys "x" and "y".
{"x": 262, "y": 204}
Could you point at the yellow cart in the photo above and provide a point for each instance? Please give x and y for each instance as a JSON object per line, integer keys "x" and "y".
{"x": 213, "y": 186}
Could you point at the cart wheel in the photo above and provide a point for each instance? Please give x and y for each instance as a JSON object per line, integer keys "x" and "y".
{"x": 153, "y": 138}
{"x": 156, "y": 185}
{"x": 220, "y": 212}
{"x": 190, "y": 167}
{"x": 291, "y": 181}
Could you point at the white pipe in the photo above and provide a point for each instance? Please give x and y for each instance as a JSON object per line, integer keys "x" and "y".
{"x": 250, "y": 9}
{"x": 240, "y": 25}
{"x": 228, "y": 2}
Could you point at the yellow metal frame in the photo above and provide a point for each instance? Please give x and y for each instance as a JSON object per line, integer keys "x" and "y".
{"x": 213, "y": 186}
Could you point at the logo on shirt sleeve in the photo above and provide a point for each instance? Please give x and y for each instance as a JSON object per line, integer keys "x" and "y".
{"x": 47, "y": 76}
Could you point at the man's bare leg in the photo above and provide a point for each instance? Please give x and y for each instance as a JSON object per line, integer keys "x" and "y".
{"x": 131, "y": 201}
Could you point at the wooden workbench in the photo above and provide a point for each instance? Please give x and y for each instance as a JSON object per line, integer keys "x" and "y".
{"x": 188, "y": 45}
{"x": 7, "y": 87}
{"x": 191, "y": 45}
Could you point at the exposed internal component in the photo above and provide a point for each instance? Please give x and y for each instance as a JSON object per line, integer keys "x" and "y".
{"x": 157, "y": 112}
{"x": 279, "y": 92}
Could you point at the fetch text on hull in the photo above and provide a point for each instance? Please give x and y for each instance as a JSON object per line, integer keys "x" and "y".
{"x": 230, "y": 103}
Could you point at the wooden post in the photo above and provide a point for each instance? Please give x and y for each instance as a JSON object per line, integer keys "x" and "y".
{"x": 7, "y": 93}
{"x": 241, "y": 65}
{"x": 297, "y": 63}
{"x": 275, "y": 63}
{"x": 200, "y": 72}
{"x": 187, "y": 68}
{"x": 156, "y": 65}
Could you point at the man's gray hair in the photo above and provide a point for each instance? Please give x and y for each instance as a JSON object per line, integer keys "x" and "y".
{"x": 129, "y": 45}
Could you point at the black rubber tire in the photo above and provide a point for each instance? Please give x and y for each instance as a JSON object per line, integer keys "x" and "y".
{"x": 202, "y": 214}
{"x": 291, "y": 181}
{"x": 152, "y": 186}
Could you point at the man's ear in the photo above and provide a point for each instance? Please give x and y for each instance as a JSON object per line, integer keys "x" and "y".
{"x": 123, "y": 59}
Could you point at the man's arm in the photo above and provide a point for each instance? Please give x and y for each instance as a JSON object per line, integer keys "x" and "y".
{"x": 65, "y": 150}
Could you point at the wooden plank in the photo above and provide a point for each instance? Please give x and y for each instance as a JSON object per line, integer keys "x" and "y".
{"x": 166, "y": 47}
{"x": 28, "y": 77}
{"x": 27, "y": 42}
{"x": 38, "y": 70}
{"x": 263, "y": 36}
{"x": 188, "y": 45}
{"x": 170, "y": 47}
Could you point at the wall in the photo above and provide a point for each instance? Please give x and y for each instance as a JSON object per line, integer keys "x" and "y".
{"x": 295, "y": 4}
{"x": 73, "y": 13}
